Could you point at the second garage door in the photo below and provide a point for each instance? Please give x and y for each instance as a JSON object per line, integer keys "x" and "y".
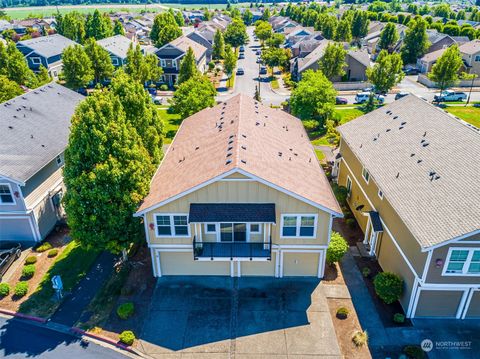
{"x": 438, "y": 303}
{"x": 300, "y": 264}
{"x": 173, "y": 263}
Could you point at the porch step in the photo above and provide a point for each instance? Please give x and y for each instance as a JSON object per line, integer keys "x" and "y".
{"x": 354, "y": 251}
{"x": 363, "y": 250}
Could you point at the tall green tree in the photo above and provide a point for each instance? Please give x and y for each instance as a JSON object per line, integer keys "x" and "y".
{"x": 314, "y": 97}
{"x": 142, "y": 68}
{"x": 445, "y": 71}
{"x": 344, "y": 31}
{"x": 230, "y": 60}
{"x": 118, "y": 28}
{"x": 188, "y": 67}
{"x": 263, "y": 30}
{"x": 17, "y": 67}
{"x": 276, "y": 40}
{"x": 164, "y": 29}
{"x": 388, "y": 37}
{"x": 43, "y": 77}
{"x": 100, "y": 59}
{"x": 179, "y": 18}
{"x": 8, "y": 89}
{"x": 77, "y": 67}
{"x": 218, "y": 49}
{"x": 273, "y": 57}
{"x": 98, "y": 26}
{"x": 107, "y": 174}
{"x": 192, "y": 96}
{"x": 387, "y": 71}
{"x": 360, "y": 23}
{"x": 332, "y": 63}
{"x": 236, "y": 33}
{"x": 247, "y": 17}
{"x": 415, "y": 43}
{"x": 329, "y": 27}
{"x": 72, "y": 26}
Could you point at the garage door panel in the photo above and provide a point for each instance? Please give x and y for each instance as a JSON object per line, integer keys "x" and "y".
{"x": 300, "y": 264}
{"x": 172, "y": 263}
{"x": 16, "y": 229}
{"x": 258, "y": 268}
{"x": 438, "y": 303}
{"x": 473, "y": 310}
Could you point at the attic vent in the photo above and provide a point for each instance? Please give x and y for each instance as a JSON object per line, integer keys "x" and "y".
{"x": 419, "y": 161}
{"x": 425, "y": 144}
{"x": 228, "y": 162}
{"x": 244, "y": 147}
{"x": 243, "y": 161}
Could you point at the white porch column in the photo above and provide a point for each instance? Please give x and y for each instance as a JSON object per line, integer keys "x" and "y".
{"x": 367, "y": 231}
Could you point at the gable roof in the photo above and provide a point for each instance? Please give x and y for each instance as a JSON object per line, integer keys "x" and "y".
{"x": 435, "y": 208}
{"x": 117, "y": 45}
{"x": 433, "y": 56}
{"x": 245, "y": 136}
{"x": 361, "y": 56}
{"x": 34, "y": 129}
{"x": 183, "y": 43}
{"x": 470, "y": 48}
{"x": 314, "y": 56}
{"x": 48, "y": 46}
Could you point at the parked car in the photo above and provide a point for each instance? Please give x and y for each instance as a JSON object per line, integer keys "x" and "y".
{"x": 411, "y": 71}
{"x": 9, "y": 252}
{"x": 401, "y": 94}
{"x": 240, "y": 71}
{"x": 263, "y": 70}
{"x": 157, "y": 100}
{"x": 241, "y": 56}
{"x": 152, "y": 90}
{"x": 362, "y": 97}
{"x": 447, "y": 96}
{"x": 242, "y": 48}
{"x": 258, "y": 52}
{"x": 259, "y": 60}
{"x": 341, "y": 100}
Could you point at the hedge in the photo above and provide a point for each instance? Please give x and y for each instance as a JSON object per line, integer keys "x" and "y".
{"x": 388, "y": 286}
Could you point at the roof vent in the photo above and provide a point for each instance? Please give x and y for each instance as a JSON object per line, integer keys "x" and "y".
{"x": 413, "y": 154}
{"x": 279, "y": 154}
{"x": 229, "y": 154}
{"x": 361, "y": 145}
{"x": 244, "y": 136}
{"x": 257, "y": 123}
{"x": 387, "y": 130}
{"x": 231, "y": 136}
{"x": 228, "y": 162}
{"x": 230, "y": 142}
{"x": 395, "y": 117}
{"x": 244, "y": 147}
{"x": 425, "y": 134}
{"x": 403, "y": 123}
{"x": 230, "y": 148}
{"x": 197, "y": 148}
{"x": 398, "y": 175}
{"x": 243, "y": 161}
{"x": 425, "y": 144}
{"x": 401, "y": 127}
{"x": 10, "y": 127}
{"x": 419, "y": 161}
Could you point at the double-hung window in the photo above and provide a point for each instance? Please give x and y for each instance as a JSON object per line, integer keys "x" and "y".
{"x": 6, "y": 196}
{"x": 301, "y": 225}
{"x": 463, "y": 261}
{"x": 172, "y": 225}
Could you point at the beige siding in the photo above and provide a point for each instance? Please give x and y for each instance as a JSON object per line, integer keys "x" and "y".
{"x": 438, "y": 303}
{"x": 300, "y": 264}
{"x": 474, "y": 308}
{"x": 172, "y": 263}
{"x": 258, "y": 268}
{"x": 39, "y": 185}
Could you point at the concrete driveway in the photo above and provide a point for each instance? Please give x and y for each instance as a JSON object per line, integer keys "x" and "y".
{"x": 217, "y": 317}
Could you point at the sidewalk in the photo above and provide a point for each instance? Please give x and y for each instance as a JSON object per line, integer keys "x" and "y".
{"x": 75, "y": 303}
{"x": 282, "y": 90}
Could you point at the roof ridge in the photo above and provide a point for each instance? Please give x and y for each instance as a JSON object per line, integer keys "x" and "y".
{"x": 237, "y": 133}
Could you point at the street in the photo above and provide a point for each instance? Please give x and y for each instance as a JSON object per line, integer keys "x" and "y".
{"x": 20, "y": 339}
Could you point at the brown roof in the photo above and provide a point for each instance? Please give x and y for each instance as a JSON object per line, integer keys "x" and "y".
{"x": 245, "y": 136}
{"x": 183, "y": 43}
{"x": 471, "y": 47}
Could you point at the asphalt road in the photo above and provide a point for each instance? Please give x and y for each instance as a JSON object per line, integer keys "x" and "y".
{"x": 23, "y": 340}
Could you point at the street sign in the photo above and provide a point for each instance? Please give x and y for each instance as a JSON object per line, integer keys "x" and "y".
{"x": 58, "y": 286}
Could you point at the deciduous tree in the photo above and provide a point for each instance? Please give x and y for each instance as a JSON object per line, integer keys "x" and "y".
{"x": 98, "y": 26}
{"x": 236, "y": 33}
{"x": 100, "y": 59}
{"x": 263, "y": 30}
{"x": 8, "y": 89}
{"x": 360, "y": 24}
{"x": 332, "y": 63}
{"x": 118, "y": 28}
{"x": 387, "y": 72}
{"x": 72, "y": 26}
{"x": 142, "y": 68}
{"x": 17, "y": 67}
{"x": 218, "y": 49}
{"x": 43, "y": 77}
{"x": 164, "y": 29}
{"x": 388, "y": 37}
{"x": 415, "y": 43}
{"x": 188, "y": 67}
{"x": 230, "y": 60}
{"x": 192, "y": 96}
{"x": 77, "y": 67}
{"x": 445, "y": 71}
{"x": 343, "y": 32}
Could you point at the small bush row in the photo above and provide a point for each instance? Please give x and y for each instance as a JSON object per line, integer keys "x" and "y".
{"x": 21, "y": 289}
{"x": 28, "y": 271}
{"x": 43, "y": 247}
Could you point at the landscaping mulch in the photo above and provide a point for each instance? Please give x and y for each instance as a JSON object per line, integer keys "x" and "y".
{"x": 333, "y": 275}
{"x": 58, "y": 239}
{"x": 344, "y": 329}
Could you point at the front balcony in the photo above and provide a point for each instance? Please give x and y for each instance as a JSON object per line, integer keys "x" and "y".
{"x": 231, "y": 250}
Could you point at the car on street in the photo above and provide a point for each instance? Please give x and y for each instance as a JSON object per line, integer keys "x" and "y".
{"x": 341, "y": 100}
{"x": 263, "y": 70}
{"x": 157, "y": 100}
{"x": 240, "y": 71}
{"x": 241, "y": 56}
{"x": 258, "y": 52}
{"x": 411, "y": 71}
{"x": 242, "y": 48}
{"x": 152, "y": 91}
{"x": 448, "y": 96}
{"x": 401, "y": 94}
{"x": 362, "y": 97}
{"x": 9, "y": 253}
{"x": 259, "y": 60}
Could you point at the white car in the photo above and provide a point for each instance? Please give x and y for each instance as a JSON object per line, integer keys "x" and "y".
{"x": 362, "y": 97}
{"x": 449, "y": 95}
{"x": 157, "y": 100}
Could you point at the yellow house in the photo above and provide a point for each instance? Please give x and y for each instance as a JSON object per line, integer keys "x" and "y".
{"x": 239, "y": 193}
{"x": 411, "y": 171}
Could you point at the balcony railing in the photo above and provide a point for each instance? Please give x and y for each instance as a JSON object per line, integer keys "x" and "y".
{"x": 232, "y": 249}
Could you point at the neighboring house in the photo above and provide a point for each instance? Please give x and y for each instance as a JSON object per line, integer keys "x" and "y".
{"x": 171, "y": 54}
{"x": 198, "y": 37}
{"x": 117, "y": 46}
{"x": 426, "y": 62}
{"x": 412, "y": 190}
{"x": 35, "y": 128}
{"x": 440, "y": 41}
{"x": 45, "y": 51}
{"x": 239, "y": 193}
{"x": 372, "y": 40}
{"x": 299, "y": 65}
{"x": 471, "y": 56}
{"x": 5, "y": 25}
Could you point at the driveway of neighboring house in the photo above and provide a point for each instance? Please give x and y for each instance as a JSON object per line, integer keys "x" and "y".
{"x": 251, "y": 317}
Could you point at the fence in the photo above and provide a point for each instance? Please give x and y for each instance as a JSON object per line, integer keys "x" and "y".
{"x": 424, "y": 80}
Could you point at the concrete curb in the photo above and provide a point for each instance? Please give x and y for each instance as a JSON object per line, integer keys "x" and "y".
{"x": 23, "y": 316}
{"x": 120, "y": 345}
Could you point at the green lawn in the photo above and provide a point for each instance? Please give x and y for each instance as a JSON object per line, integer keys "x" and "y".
{"x": 231, "y": 81}
{"x": 171, "y": 121}
{"x": 469, "y": 114}
{"x": 72, "y": 265}
{"x": 320, "y": 155}
{"x": 274, "y": 83}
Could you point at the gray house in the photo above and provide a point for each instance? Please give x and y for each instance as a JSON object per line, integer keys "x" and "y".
{"x": 45, "y": 51}
{"x": 117, "y": 46}
{"x": 204, "y": 39}
{"x": 35, "y": 129}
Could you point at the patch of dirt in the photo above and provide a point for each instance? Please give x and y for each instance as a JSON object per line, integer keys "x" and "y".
{"x": 58, "y": 239}
{"x": 352, "y": 235}
{"x": 344, "y": 329}
{"x": 333, "y": 275}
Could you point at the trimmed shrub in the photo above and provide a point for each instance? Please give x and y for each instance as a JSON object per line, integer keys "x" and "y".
{"x": 399, "y": 318}
{"x": 52, "y": 252}
{"x": 31, "y": 260}
{"x": 310, "y": 125}
{"x": 414, "y": 352}
{"x": 127, "y": 337}
{"x": 337, "y": 248}
{"x": 4, "y": 289}
{"x": 211, "y": 65}
{"x": 342, "y": 313}
{"x": 388, "y": 286}
{"x": 351, "y": 222}
{"x": 28, "y": 271}
{"x": 125, "y": 310}
{"x": 21, "y": 289}
{"x": 43, "y": 247}
{"x": 164, "y": 87}
{"x": 360, "y": 338}
{"x": 366, "y": 272}
{"x": 341, "y": 193}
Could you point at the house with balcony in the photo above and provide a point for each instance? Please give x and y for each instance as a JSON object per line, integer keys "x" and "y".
{"x": 239, "y": 192}
{"x": 45, "y": 51}
{"x": 170, "y": 55}
{"x": 410, "y": 171}
{"x": 35, "y": 129}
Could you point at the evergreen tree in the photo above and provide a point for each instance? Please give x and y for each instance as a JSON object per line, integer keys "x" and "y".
{"x": 388, "y": 37}
{"x": 218, "y": 50}
{"x": 192, "y": 96}
{"x": 164, "y": 29}
{"x": 179, "y": 18}
{"x": 100, "y": 59}
{"x": 118, "y": 28}
{"x": 188, "y": 67}
{"x": 415, "y": 43}
{"x": 360, "y": 24}
{"x": 332, "y": 63}
{"x": 445, "y": 71}
{"x": 247, "y": 17}
{"x": 343, "y": 32}
{"x": 329, "y": 27}
{"x": 230, "y": 60}
{"x": 98, "y": 26}
{"x": 77, "y": 67}
{"x": 387, "y": 71}
{"x": 72, "y": 26}
{"x": 107, "y": 174}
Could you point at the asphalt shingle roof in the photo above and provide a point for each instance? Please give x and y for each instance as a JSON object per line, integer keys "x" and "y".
{"x": 48, "y": 46}
{"x": 117, "y": 45}
{"x": 426, "y": 163}
{"x": 232, "y": 212}
{"x": 34, "y": 129}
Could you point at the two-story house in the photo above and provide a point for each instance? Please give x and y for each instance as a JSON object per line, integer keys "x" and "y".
{"x": 470, "y": 52}
{"x": 171, "y": 54}
{"x": 34, "y": 134}
{"x": 45, "y": 51}
{"x": 117, "y": 46}
{"x": 411, "y": 171}
{"x": 239, "y": 193}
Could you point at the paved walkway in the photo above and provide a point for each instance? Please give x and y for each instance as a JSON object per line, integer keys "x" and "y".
{"x": 75, "y": 303}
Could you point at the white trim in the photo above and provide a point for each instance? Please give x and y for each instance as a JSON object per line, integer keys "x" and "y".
{"x": 461, "y": 305}
{"x": 158, "y": 263}
{"x": 172, "y": 225}
{"x": 320, "y": 270}
{"x": 298, "y": 224}
{"x": 36, "y": 60}
{"x": 466, "y": 264}
{"x": 147, "y": 232}
{"x": 17, "y": 182}
{"x": 154, "y": 269}
{"x": 232, "y": 273}
{"x": 205, "y": 226}
{"x": 380, "y": 194}
{"x": 236, "y": 180}
{"x": 468, "y": 301}
{"x": 301, "y": 246}
{"x": 427, "y": 266}
{"x": 349, "y": 191}
{"x": 455, "y": 239}
{"x": 412, "y": 298}
{"x": 14, "y": 203}
{"x": 239, "y": 269}
{"x": 170, "y": 246}
{"x": 249, "y": 226}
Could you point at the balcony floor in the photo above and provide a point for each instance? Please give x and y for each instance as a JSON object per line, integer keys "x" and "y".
{"x": 232, "y": 250}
